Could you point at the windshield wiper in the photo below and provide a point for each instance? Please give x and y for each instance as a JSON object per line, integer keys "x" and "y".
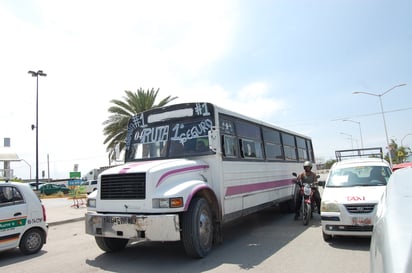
{"x": 368, "y": 185}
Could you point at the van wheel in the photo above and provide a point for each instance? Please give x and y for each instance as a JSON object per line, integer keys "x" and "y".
{"x": 111, "y": 244}
{"x": 32, "y": 241}
{"x": 197, "y": 229}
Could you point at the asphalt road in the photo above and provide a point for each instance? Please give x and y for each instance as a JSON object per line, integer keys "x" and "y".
{"x": 268, "y": 241}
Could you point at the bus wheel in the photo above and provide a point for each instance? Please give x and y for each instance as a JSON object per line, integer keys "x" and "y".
{"x": 197, "y": 229}
{"x": 111, "y": 244}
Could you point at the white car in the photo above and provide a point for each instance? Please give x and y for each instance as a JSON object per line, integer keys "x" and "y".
{"x": 391, "y": 242}
{"x": 352, "y": 191}
{"x": 22, "y": 218}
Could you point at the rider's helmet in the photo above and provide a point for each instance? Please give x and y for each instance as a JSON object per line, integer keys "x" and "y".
{"x": 307, "y": 165}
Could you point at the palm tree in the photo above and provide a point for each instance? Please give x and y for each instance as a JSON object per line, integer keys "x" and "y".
{"x": 115, "y": 128}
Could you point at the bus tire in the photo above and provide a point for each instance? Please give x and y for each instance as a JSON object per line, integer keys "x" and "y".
{"x": 287, "y": 206}
{"x": 197, "y": 229}
{"x": 111, "y": 244}
{"x": 296, "y": 198}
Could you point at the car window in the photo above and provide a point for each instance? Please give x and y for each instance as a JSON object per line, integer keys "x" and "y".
{"x": 359, "y": 176}
{"x": 10, "y": 195}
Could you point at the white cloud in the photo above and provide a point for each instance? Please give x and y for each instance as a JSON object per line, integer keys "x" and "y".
{"x": 253, "y": 100}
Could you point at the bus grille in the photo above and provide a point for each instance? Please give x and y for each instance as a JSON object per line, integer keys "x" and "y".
{"x": 123, "y": 186}
{"x": 360, "y": 208}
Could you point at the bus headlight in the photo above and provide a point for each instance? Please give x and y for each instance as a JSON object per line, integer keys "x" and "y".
{"x": 91, "y": 202}
{"x": 329, "y": 206}
{"x": 174, "y": 202}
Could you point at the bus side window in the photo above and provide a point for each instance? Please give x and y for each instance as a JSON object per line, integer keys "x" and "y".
{"x": 250, "y": 149}
{"x": 229, "y": 146}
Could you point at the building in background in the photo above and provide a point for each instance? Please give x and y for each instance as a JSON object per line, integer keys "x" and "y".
{"x": 7, "y": 155}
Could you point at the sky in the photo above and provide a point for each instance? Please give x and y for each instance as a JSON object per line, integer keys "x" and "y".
{"x": 292, "y": 63}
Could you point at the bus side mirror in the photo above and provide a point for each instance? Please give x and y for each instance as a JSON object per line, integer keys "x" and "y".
{"x": 213, "y": 136}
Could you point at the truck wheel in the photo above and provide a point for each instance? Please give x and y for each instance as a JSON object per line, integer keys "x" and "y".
{"x": 111, "y": 244}
{"x": 32, "y": 241}
{"x": 197, "y": 229}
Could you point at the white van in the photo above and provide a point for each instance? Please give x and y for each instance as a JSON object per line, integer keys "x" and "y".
{"x": 22, "y": 218}
{"x": 352, "y": 190}
{"x": 89, "y": 186}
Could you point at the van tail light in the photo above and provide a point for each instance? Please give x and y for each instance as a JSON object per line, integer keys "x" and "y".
{"x": 44, "y": 212}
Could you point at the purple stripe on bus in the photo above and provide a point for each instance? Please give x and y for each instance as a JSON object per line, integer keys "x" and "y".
{"x": 192, "y": 193}
{"x": 241, "y": 189}
{"x": 176, "y": 171}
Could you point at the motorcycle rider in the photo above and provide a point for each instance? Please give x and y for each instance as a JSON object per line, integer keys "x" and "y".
{"x": 307, "y": 176}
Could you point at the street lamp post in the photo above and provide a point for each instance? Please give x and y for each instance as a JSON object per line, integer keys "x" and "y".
{"x": 360, "y": 130}
{"x": 383, "y": 113}
{"x": 350, "y": 137}
{"x": 37, "y": 74}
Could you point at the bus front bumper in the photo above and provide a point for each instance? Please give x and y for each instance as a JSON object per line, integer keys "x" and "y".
{"x": 162, "y": 227}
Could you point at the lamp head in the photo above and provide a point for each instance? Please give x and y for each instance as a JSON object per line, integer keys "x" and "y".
{"x": 41, "y": 73}
{"x": 33, "y": 74}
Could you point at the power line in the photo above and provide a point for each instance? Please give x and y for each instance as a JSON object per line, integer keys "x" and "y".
{"x": 373, "y": 114}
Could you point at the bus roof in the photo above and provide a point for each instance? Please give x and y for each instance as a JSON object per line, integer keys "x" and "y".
{"x": 182, "y": 113}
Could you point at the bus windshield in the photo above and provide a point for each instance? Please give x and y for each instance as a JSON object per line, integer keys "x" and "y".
{"x": 170, "y": 137}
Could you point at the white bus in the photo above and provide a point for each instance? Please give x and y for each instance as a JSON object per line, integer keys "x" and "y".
{"x": 190, "y": 168}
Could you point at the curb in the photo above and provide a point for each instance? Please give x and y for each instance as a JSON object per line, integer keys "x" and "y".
{"x": 56, "y": 223}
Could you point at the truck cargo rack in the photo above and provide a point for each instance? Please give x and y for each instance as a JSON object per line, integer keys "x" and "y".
{"x": 359, "y": 153}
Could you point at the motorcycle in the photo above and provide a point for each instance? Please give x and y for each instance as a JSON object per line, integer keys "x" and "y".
{"x": 307, "y": 204}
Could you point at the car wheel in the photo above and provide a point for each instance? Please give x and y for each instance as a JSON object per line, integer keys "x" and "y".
{"x": 32, "y": 241}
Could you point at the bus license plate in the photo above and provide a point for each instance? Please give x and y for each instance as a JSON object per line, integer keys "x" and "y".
{"x": 118, "y": 220}
{"x": 361, "y": 221}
